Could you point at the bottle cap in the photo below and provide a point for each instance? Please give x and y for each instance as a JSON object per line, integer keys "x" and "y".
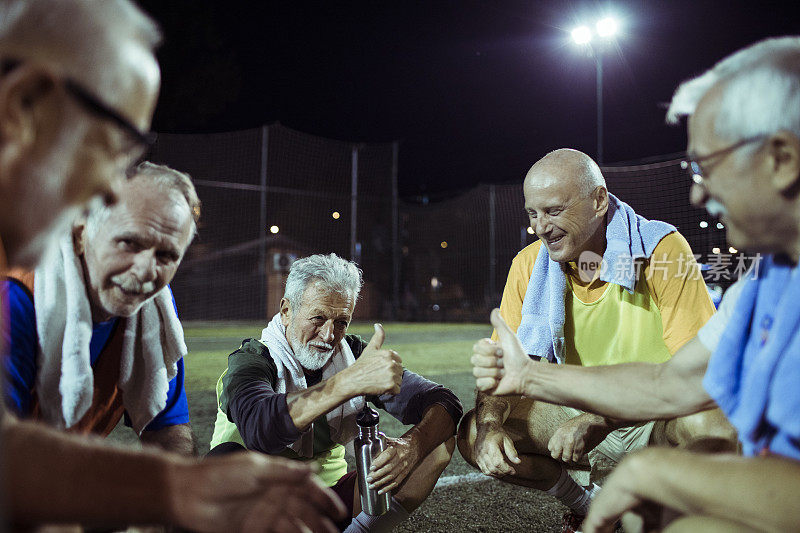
{"x": 367, "y": 417}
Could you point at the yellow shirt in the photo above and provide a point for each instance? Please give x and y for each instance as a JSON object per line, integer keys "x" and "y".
{"x": 604, "y": 324}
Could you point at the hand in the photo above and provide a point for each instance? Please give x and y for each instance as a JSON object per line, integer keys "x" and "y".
{"x": 376, "y": 372}
{"x": 252, "y": 492}
{"x": 495, "y": 451}
{"x": 500, "y": 367}
{"x": 392, "y": 466}
{"x": 578, "y": 436}
{"x": 618, "y": 497}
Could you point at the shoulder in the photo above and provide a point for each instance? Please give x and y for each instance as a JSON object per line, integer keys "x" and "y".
{"x": 672, "y": 245}
{"x": 526, "y": 258}
{"x": 356, "y": 344}
{"x": 251, "y": 355}
{"x": 18, "y": 298}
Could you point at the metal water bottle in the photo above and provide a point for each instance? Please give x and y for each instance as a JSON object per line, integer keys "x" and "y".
{"x": 369, "y": 444}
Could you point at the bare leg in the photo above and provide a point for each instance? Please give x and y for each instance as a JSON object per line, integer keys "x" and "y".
{"x": 707, "y": 431}
{"x": 706, "y": 524}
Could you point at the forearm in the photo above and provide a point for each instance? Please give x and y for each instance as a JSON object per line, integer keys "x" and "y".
{"x": 758, "y": 492}
{"x": 492, "y": 409}
{"x": 631, "y": 391}
{"x": 176, "y": 438}
{"x": 435, "y": 428}
{"x": 307, "y": 405}
{"x": 55, "y": 477}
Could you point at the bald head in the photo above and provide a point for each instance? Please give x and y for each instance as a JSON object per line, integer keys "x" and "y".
{"x": 569, "y": 168}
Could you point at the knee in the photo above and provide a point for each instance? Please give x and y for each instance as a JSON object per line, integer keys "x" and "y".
{"x": 465, "y": 439}
{"x": 706, "y": 431}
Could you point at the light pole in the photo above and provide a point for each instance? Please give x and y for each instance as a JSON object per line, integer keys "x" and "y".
{"x": 605, "y": 28}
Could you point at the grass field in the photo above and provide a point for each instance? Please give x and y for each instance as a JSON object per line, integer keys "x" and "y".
{"x": 439, "y": 352}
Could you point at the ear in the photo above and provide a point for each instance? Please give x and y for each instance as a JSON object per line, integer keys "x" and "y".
{"x": 783, "y": 162}
{"x": 600, "y": 200}
{"x": 286, "y": 312}
{"x": 22, "y": 90}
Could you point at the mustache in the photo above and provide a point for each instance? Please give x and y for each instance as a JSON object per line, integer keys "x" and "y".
{"x": 323, "y": 345}
{"x": 133, "y": 285}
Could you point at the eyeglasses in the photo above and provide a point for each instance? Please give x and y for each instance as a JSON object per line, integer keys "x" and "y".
{"x": 698, "y": 174}
{"x": 94, "y": 105}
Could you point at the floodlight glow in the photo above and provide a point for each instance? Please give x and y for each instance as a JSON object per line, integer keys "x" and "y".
{"x": 274, "y": 229}
{"x": 732, "y": 250}
{"x": 703, "y": 224}
{"x": 582, "y": 35}
{"x": 607, "y": 27}
{"x": 720, "y": 225}
{"x": 443, "y": 244}
{"x": 335, "y": 215}
{"x": 715, "y": 250}
{"x": 530, "y": 230}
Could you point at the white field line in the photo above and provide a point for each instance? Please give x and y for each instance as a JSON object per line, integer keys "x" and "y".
{"x": 473, "y": 477}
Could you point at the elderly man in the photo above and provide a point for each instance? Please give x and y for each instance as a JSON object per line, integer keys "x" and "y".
{"x": 75, "y": 100}
{"x": 296, "y": 392}
{"x": 744, "y": 159}
{"x": 601, "y": 286}
{"x": 84, "y": 351}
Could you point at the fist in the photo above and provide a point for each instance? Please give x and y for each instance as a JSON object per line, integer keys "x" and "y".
{"x": 377, "y": 371}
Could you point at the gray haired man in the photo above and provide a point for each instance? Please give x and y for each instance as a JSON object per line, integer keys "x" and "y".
{"x": 296, "y": 391}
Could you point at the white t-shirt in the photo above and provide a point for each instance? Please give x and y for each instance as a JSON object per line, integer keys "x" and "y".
{"x": 712, "y": 331}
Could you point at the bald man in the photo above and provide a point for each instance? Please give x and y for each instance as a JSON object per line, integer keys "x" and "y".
{"x": 601, "y": 286}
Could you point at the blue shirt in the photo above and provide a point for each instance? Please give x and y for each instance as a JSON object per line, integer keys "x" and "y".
{"x": 22, "y": 345}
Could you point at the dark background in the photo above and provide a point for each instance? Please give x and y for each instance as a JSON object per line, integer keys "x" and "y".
{"x": 476, "y": 91}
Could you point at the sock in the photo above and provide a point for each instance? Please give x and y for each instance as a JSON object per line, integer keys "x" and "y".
{"x": 364, "y": 523}
{"x": 571, "y": 494}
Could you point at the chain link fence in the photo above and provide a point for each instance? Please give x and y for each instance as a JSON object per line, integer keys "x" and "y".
{"x": 271, "y": 195}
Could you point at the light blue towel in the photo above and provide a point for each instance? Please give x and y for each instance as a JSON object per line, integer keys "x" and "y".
{"x": 628, "y": 237}
{"x": 754, "y": 374}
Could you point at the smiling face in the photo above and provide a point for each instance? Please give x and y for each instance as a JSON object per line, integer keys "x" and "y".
{"x": 561, "y": 214}
{"x": 316, "y": 326}
{"x": 135, "y": 250}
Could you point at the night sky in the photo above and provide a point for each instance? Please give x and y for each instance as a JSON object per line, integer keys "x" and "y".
{"x": 476, "y": 91}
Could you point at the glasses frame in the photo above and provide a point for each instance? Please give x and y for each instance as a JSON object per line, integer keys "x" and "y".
{"x": 94, "y": 105}
{"x": 694, "y": 168}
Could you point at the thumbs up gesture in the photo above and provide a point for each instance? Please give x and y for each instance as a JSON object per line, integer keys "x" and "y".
{"x": 376, "y": 372}
{"x": 500, "y": 367}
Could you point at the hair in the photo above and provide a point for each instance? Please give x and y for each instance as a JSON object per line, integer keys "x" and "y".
{"x": 97, "y": 42}
{"x": 167, "y": 179}
{"x": 336, "y": 274}
{"x": 760, "y": 91}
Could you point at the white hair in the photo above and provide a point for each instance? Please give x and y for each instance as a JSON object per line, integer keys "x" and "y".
{"x": 166, "y": 179}
{"x": 760, "y": 95}
{"x": 96, "y": 42}
{"x": 336, "y": 274}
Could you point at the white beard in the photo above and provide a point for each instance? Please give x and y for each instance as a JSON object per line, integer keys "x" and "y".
{"x": 310, "y": 358}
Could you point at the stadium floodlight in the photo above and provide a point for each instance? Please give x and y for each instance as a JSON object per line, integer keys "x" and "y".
{"x": 443, "y": 244}
{"x": 530, "y": 230}
{"x": 335, "y": 215}
{"x": 703, "y": 224}
{"x": 715, "y": 250}
{"x": 274, "y": 229}
{"x": 582, "y": 35}
{"x": 732, "y": 250}
{"x": 720, "y": 225}
{"x": 607, "y": 27}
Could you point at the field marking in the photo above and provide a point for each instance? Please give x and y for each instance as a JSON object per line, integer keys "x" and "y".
{"x": 473, "y": 477}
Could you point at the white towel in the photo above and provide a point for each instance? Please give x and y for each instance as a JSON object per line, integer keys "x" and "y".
{"x": 153, "y": 343}
{"x": 291, "y": 378}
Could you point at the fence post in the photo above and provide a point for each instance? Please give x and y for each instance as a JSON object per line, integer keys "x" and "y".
{"x": 395, "y": 234}
{"x": 492, "y": 246}
{"x": 262, "y": 246}
{"x": 353, "y": 203}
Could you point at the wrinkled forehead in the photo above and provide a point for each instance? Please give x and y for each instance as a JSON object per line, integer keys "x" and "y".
{"x": 318, "y": 296}
{"x": 149, "y": 210}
